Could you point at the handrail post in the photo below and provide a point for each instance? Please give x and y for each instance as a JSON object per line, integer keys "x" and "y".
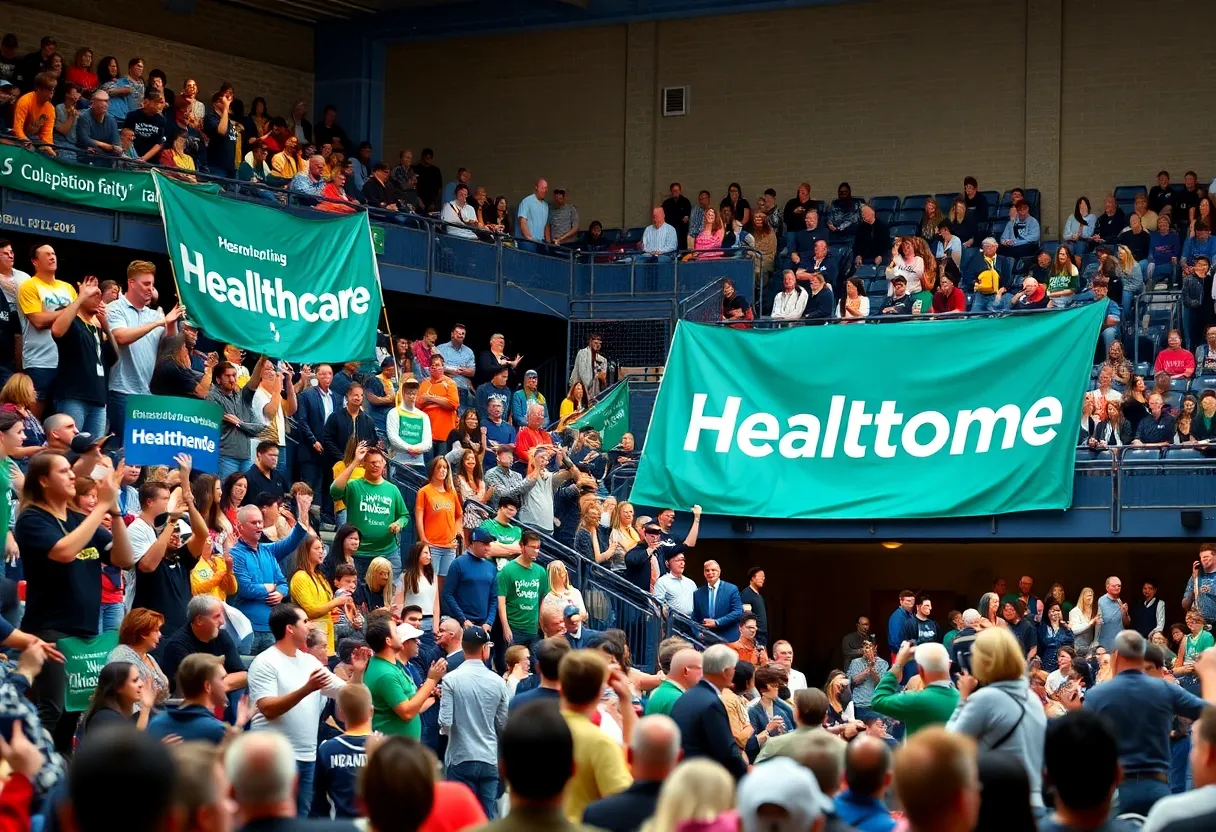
{"x": 430, "y": 256}
{"x": 498, "y": 268}
{"x": 633, "y": 267}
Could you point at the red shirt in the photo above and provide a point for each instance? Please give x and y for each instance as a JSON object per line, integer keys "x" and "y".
{"x": 1175, "y": 362}
{"x": 956, "y": 302}
{"x": 455, "y": 808}
{"x": 529, "y": 438}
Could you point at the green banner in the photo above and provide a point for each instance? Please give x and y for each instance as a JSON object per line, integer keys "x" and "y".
{"x": 109, "y": 189}
{"x": 302, "y": 289}
{"x": 83, "y": 659}
{"x": 946, "y": 418}
{"x": 610, "y": 416}
{"x": 158, "y": 428}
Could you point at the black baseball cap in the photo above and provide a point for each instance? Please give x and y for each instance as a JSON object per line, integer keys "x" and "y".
{"x": 474, "y": 637}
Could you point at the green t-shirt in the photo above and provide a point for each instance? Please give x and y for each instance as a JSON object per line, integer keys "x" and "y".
{"x": 6, "y": 508}
{"x": 922, "y": 303}
{"x": 390, "y": 685}
{"x": 372, "y": 509}
{"x": 522, "y": 588}
{"x": 1062, "y": 282}
{"x": 663, "y": 698}
{"x": 506, "y": 535}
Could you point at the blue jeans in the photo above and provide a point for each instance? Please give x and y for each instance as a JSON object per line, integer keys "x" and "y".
{"x": 308, "y": 770}
{"x": 89, "y": 418}
{"x": 1180, "y": 765}
{"x": 260, "y": 642}
{"x": 1110, "y": 335}
{"x": 482, "y": 778}
{"x": 231, "y": 464}
{"x": 442, "y": 558}
{"x": 111, "y": 617}
{"x": 1139, "y": 795}
{"x": 116, "y": 410}
{"x": 981, "y": 302}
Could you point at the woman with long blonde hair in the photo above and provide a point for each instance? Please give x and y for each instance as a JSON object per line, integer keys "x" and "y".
{"x": 377, "y": 591}
{"x": 696, "y": 793}
{"x": 623, "y": 536}
{"x": 561, "y": 594}
{"x": 1083, "y": 620}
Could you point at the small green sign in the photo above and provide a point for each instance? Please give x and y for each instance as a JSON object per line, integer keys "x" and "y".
{"x": 378, "y": 239}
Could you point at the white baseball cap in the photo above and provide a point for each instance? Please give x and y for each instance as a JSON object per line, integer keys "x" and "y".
{"x": 781, "y": 782}
{"x": 405, "y": 632}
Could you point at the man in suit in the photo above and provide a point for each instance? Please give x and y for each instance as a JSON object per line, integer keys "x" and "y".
{"x": 578, "y": 635}
{"x": 701, "y": 716}
{"x": 653, "y": 752}
{"x": 316, "y": 405}
{"x": 718, "y": 605}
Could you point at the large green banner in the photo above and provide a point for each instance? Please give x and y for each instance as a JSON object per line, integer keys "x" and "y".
{"x": 946, "y": 418}
{"x": 609, "y": 416}
{"x": 91, "y": 186}
{"x": 83, "y": 659}
{"x": 303, "y": 289}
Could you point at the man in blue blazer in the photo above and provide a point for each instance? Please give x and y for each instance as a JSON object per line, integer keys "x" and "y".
{"x": 316, "y": 405}
{"x": 701, "y": 716}
{"x": 717, "y": 605}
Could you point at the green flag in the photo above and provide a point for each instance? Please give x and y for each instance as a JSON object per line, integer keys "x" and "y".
{"x": 610, "y": 416}
{"x": 83, "y": 659}
{"x": 302, "y": 289}
{"x": 946, "y": 418}
{"x": 110, "y": 189}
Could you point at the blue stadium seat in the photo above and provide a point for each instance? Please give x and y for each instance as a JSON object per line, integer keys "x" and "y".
{"x": 1201, "y": 383}
{"x": 877, "y": 286}
{"x": 1141, "y": 455}
{"x": 868, "y": 271}
{"x": 911, "y": 215}
{"x": 877, "y": 299}
{"x": 904, "y": 229}
{"x": 612, "y": 235}
{"x": 1034, "y": 197}
{"x": 884, "y": 203}
{"x": 1174, "y": 400}
{"x": 1050, "y": 245}
{"x": 1129, "y": 192}
{"x": 885, "y": 215}
{"x": 1126, "y": 205}
{"x": 993, "y": 198}
{"x": 1183, "y": 453}
{"x": 1006, "y": 201}
{"x": 1179, "y": 187}
{"x": 634, "y": 235}
{"x": 997, "y": 228}
{"x": 916, "y": 201}
{"x": 944, "y": 201}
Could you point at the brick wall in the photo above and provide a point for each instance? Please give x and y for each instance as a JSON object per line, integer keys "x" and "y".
{"x": 195, "y": 46}
{"x": 515, "y": 108}
{"x": 894, "y": 96}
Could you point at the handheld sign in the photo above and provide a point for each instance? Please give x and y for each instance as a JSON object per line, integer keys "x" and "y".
{"x": 161, "y": 427}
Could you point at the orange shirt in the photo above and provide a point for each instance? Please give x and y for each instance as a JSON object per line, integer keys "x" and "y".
{"x": 443, "y": 421}
{"x": 527, "y": 439}
{"x": 32, "y": 120}
{"x": 439, "y": 514}
{"x": 758, "y": 656}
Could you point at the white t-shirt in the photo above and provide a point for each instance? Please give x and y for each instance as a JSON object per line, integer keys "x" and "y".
{"x": 424, "y": 598}
{"x": 19, "y": 277}
{"x": 260, "y": 399}
{"x": 467, "y": 214}
{"x": 142, "y": 536}
{"x": 274, "y": 673}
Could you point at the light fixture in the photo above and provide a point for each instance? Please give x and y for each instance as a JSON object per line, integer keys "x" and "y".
{"x": 891, "y": 544}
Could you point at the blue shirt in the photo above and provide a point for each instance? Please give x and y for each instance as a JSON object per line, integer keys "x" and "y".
{"x": 302, "y": 183}
{"x": 502, "y": 434}
{"x": 534, "y": 695}
{"x": 90, "y": 131}
{"x": 457, "y": 357}
{"x": 1143, "y": 708}
{"x": 339, "y": 761}
{"x": 661, "y": 239}
{"x": 256, "y": 568}
{"x": 520, "y": 403}
{"x": 470, "y": 591}
{"x": 120, "y": 105}
{"x": 901, "y": 627}
{"x": 1021, "y": 231}
{"x": 866, "y": 814}
{"x": 193, "y": 722}
{"x": 1112, "y": 621}
{"x": 536, "y": 212}
{"x": 1207, "y": 600}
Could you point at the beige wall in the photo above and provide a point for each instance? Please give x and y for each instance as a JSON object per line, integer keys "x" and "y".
{"x": 259, "y": 55}
{"x": 895, "y": 96}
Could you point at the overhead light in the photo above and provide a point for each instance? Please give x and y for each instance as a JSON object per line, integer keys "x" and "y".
{"x": 891, "y": 544}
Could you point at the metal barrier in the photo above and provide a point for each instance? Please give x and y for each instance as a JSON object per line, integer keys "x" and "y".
{"x": 612, "y": 602}
{"x": 605, "y": 274}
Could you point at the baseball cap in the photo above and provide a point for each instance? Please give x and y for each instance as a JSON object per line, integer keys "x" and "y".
{"x": 652, "y": 528}
{"x": 407, "y": 632}
{"x": 480, "y": 535}
{"x": 82, "y": 443}
{"x": 386, "y": 363}
{"x": 781, "y": 782}
{"x": 410, "y": 382}
{"x": 5, "y": 83}
{"x": 570, "y": 610}
{"x": 899, "y": 278}
{"x": 474, "y": 637}
{"x": 530, "y": 374}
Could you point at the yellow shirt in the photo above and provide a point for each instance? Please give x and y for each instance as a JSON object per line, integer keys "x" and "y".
{"x": 311, "y": 594}
{"x": 284, "y": 165}
{"x": 210, "y": 576}
{"x": 599, "y": 767}
{"x": 339, "y": 467}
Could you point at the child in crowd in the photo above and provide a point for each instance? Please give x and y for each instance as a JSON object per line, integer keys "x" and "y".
{"x": 113, "y": 583}
{"x": 518, "y": 659}
{"x": 346, "y": 579}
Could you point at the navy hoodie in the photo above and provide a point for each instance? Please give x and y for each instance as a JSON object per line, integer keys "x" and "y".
{"x": 192, "y": 722}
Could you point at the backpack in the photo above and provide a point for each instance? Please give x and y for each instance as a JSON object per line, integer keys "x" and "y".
{"x": 989, "y": 280}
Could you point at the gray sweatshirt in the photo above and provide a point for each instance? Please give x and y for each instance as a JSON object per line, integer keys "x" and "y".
{"x": 991, "y": 712}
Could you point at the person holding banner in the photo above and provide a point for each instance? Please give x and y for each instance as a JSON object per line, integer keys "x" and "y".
{"x": 63, "y": 552}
